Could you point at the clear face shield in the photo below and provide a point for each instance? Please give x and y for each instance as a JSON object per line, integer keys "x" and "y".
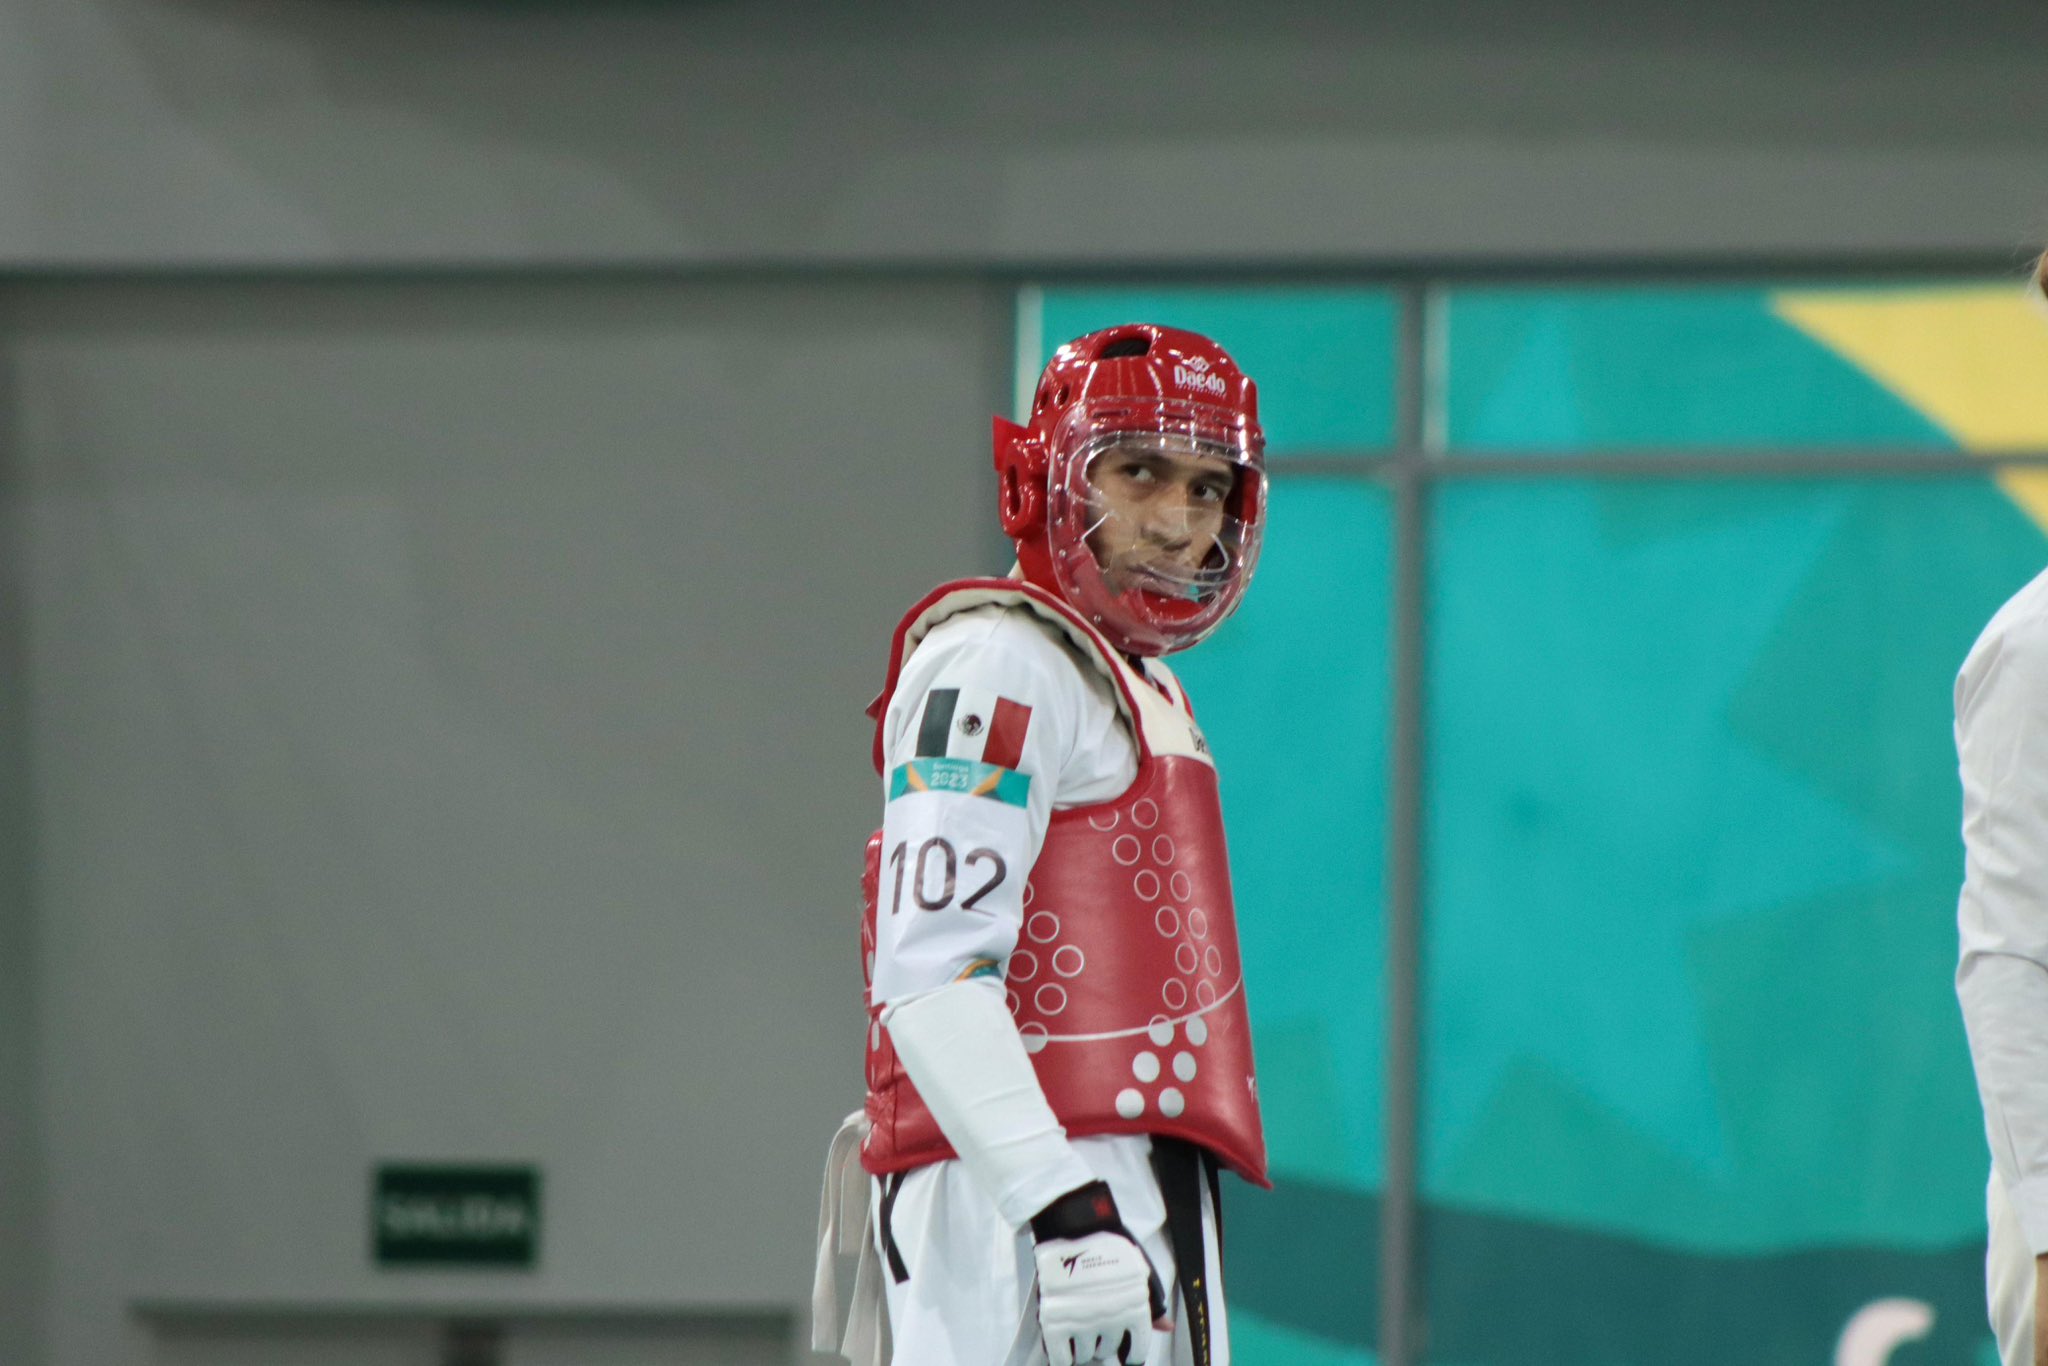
{"x": 1156, "y": 512}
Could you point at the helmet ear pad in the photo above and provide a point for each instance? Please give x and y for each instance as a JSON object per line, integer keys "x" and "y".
{"x": 1020, "y": 461}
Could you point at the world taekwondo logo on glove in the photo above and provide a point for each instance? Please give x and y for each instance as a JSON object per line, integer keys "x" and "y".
{"x": 1088, "y": 1259}
{"x": 1193, "y": 373}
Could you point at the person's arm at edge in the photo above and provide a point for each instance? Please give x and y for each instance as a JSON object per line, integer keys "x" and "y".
{"x": 2002, "y": 976}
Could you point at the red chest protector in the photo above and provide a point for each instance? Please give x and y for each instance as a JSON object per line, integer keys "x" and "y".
{"x": 1126, "y": 983}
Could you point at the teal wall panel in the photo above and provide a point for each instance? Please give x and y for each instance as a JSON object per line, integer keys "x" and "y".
{"x": 1691, "y": 865}
{"x": 1571, "y": 370}
{"x": 1293, "y": 695}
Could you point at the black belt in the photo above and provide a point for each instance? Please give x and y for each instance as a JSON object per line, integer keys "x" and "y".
{"x": 1182, "y": 1168}
{"x": 891, "y": 1184}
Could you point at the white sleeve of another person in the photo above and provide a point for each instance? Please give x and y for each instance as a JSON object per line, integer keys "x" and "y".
{"x": 2002, "y": 978}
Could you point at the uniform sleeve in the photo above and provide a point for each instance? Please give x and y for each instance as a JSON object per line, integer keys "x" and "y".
{"x": 2002, "y": 915}
{"x": 976, "y": 734}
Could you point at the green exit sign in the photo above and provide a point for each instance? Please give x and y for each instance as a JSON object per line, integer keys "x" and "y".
{"x": 447, "y": 1215}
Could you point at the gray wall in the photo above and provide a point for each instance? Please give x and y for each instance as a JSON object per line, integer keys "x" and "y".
{"x": 145, "y": 132}
{"x": 446, "y": 742}
{"x": 21, "y": 1226}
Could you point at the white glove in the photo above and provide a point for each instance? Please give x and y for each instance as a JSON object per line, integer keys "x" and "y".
{"x": 1098, "y": 1296}
{"x": 1093, "y": 1301}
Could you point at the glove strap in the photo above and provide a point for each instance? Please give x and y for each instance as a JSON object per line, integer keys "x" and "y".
{"x": 1080, "y": 1212}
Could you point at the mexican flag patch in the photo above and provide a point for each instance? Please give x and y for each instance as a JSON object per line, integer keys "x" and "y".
{"x": 973, "y": 723}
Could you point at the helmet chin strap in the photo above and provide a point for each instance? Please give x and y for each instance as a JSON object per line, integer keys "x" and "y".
{"x": 1165, "y": 586}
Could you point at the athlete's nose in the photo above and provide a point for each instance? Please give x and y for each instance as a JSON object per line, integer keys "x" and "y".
{"x": 1170, "y": 523}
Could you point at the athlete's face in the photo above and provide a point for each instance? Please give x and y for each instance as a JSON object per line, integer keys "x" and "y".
{"x": 1158, "y": 505}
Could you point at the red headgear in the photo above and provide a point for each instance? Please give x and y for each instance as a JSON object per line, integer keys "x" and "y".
{"x": 1133, "y": 381}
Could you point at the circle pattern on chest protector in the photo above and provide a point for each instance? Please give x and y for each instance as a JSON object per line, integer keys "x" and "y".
{"x": 1172, "y": 1103}
{"x": 1035, "y": 1037}
{"x": 1130, "y": 1102}
{"x": 1138, "y": 839}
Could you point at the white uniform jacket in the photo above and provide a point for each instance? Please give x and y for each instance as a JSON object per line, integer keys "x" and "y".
{"x": 2001, "y": 731}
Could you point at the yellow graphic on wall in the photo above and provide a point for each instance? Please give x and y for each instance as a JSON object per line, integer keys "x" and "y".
{"x": 1972, "y": 359}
